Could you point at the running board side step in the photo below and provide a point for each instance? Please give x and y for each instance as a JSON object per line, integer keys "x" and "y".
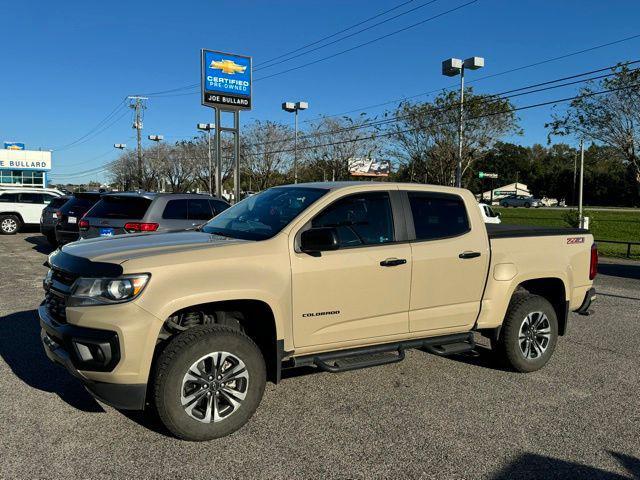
{"x": 354, "y": 358}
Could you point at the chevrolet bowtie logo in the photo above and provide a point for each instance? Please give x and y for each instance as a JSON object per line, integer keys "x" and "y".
{"x": 228, "y": 66}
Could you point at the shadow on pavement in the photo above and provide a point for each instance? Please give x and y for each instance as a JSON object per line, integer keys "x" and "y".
{"x": 620, "y": 270}
{"x": 21, "y": 349}
{"x": 535, "y": 466}
{"x": 40, "y": 244}
{"x": 483, "y": 357}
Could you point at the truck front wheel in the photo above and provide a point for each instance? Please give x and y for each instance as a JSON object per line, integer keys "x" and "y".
{"x": 209, "y": 382}
{"x": 529, "y": 333}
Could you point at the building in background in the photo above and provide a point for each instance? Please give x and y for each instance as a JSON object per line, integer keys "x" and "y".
{"x": 23, "y": 168}
{"x": 369, "y": 167}
{"x": 505, "y": 191}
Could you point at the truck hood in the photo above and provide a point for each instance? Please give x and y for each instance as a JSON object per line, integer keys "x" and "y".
{"x": 121, "y": 248}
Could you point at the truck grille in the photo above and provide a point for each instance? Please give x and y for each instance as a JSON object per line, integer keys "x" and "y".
{"x": 56, "y": 307}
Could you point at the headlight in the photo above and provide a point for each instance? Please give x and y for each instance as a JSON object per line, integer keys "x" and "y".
{"x": 100, "y": 291}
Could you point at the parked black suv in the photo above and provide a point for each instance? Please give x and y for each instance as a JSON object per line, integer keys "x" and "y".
{"x": 132, "y": 212}
{"x": 49, "y": 218}
{"x": 70, "y": 214}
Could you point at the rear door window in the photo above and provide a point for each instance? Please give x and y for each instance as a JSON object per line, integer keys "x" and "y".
{"x": 9, "y": 198}
{"x": 126, "y": 207}
{"x": 175, "y": 210}
{"x": 438, "y": 215}
{"x": 31, "y": 198}
{"x": 217, "y": 206}
{"x": 199, "y": 209}
{"x": 363, "y": 219}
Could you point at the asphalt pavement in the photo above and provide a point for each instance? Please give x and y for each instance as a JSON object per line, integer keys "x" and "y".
{"x": 426, "y": 417}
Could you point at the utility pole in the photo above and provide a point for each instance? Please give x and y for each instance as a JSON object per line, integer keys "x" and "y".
{"x": 137, "y": 103}
{"x": 580, "y": 217}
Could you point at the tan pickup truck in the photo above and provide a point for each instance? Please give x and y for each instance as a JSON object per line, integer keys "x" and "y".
{"x": 336, "y": 275}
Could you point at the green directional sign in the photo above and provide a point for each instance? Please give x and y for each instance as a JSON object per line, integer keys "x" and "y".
{"x": 480, "y": 174}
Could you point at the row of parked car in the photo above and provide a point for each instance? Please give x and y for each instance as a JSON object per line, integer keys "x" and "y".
{"x": 66, "y": 218}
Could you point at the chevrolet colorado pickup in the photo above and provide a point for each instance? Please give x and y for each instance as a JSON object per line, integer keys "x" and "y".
{"x": 336, "y": 275}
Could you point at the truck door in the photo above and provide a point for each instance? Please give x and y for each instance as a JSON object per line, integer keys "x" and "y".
{"x": 361, "y": 290}
{"x": 450, "y": 254}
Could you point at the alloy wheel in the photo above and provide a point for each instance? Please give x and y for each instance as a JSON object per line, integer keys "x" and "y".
{"x": 534, "y": 335}
{"x": 214, "y": 387}
{"x": 9, "y": 225}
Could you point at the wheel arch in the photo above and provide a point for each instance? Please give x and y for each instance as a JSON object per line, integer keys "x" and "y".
{"x": 17, "y": 214}
{"x": 554, "y": 290}
{"x": 255, "y": 317}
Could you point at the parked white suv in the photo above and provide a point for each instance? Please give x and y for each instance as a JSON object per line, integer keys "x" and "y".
{"x": 23, "y": 206}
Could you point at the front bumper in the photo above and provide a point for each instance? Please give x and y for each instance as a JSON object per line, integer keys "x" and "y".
{"x": 70, "y": 346}
{"x": 589, "y": 298}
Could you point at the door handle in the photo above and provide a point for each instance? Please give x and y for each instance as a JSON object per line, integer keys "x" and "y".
{"x": 465, "y": 255}
{"x": 393, "y": 262}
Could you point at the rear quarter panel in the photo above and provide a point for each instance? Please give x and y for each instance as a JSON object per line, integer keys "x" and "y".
{"x": 518, "y": 259}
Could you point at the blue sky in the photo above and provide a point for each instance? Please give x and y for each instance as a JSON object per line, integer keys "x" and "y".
{"x": 66, "y": 65}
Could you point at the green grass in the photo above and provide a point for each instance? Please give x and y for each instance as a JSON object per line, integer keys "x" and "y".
{"x": 606, "y": 225}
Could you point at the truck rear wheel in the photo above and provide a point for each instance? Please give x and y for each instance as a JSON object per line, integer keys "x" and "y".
{"x": 529, "y": 333}
{"x": 209, "y": 382}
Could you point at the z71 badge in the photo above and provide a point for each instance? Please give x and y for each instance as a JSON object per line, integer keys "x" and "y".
{"x": 572, "y": 240}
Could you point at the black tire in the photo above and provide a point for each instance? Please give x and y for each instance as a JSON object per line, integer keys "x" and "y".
{"x": 509, "y": 346}
{"x": 9, "y": 224}
{"x": 527, "y": 205}
{"x": 178, "y": 357}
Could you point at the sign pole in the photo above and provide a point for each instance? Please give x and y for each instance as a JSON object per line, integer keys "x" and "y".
{"x": 236, "y": 156}
{"x": 218, "y": 144}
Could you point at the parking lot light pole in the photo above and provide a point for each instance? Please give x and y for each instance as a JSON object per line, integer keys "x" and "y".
{"x": 207, "y": 127}
{"x": 452, "y": 67}
{"x": 157, "y": 139}
{"x": 295, "y": 107}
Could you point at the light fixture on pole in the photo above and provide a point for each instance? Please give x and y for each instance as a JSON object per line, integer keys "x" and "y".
{"x": 452, "y": 67}
{"x": 294, "y": 107}
{"x": 120, "y": 146}
{"x": 207, "y": 127}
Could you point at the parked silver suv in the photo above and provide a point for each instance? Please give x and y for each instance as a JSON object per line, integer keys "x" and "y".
{"x": 133, "y": 212}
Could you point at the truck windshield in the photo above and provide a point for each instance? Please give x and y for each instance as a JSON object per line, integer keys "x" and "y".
{"x": 263, "y": 215}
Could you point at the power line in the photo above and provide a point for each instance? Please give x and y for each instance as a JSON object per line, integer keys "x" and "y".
{"x": 515, "y": 109}
{"x": 377, "y": 39}
{"x": 477, "y": 79}
{"x": 167, "y": 93}
{"x": 337, "y": 33}
{"x": 90, "y": 132}
{"x": 526, "y": 90}
{"x": 343, "y": 38}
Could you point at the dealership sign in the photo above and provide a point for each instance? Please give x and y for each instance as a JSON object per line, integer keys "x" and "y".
{"x": 25, "y": 160}
{"x": 226, "y": 80}
{"x": 14, "y": 146}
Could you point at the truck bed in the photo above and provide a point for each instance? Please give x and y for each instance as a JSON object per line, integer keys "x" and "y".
{"x": 513, "y": 231}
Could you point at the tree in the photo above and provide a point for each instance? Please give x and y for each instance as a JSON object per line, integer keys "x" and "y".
{"x": 266, "y": 152}
{"x": 425, "y": 135}
{"x": 611, "y": 119}
{"x": 333, "y": 141}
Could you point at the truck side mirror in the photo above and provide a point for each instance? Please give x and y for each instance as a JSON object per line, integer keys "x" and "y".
{"x": 321, "y": 239}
